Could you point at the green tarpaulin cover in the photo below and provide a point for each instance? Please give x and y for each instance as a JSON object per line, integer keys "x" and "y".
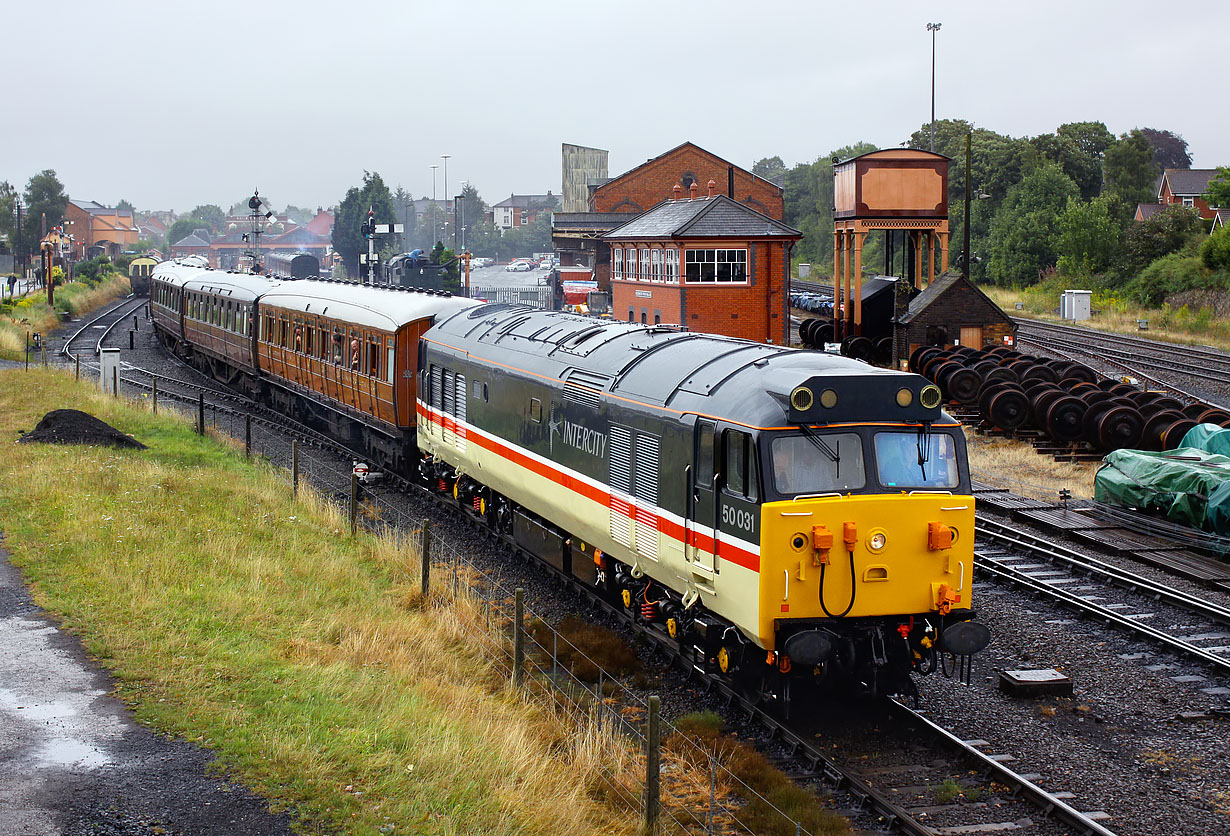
{"x": 1188, "y": 486}
{"x": 1210, "y": 438}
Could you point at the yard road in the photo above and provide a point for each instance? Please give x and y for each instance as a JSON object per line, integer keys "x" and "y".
{"x": 72, "y": 760}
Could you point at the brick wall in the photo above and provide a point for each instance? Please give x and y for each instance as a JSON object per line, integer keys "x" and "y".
{"x": 643, "y": 188}
{"x": 664, "y": 301}
{"x": 752, "y": 311}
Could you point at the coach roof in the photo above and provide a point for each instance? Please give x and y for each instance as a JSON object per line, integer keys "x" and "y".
{"x": 366, "y": 305}
{"x": 241, "y": 286}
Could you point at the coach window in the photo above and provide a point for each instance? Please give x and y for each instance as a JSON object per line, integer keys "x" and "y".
{"x": 739, "y": 472}
{"x": 337, "y": 346}
{"x": 389, "y": 354}
{"x": 373, "y": 355}
{"x": 355, "y": 350}
{"x": 536, "y": 410}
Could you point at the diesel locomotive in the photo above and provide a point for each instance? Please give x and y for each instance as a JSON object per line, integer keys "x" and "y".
{"x": 793, "y": 520}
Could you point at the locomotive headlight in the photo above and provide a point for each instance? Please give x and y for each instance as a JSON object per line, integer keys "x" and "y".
{"x": 904, "y": 397}
{"x": 828, "y": 398}
{"x": 929, "y": 397}
{"x": 802, "y": 399}
{"x": 877, "y": 541}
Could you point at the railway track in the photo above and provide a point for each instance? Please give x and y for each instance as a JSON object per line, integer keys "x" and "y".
{"x": 1148, "y": 359}
{"x": 1191, "y": 628}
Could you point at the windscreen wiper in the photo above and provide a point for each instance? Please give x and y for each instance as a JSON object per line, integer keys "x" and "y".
{"x": 924, "y": 447}
{"x": 822, "y": 445}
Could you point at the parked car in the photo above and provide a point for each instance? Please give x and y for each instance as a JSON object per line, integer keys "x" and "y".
{"x": 519, "y": 267}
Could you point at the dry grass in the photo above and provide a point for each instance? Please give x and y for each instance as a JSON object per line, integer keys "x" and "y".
{"x": 251, "y": 624}
{"x": 33, "y": 314}
{"x": 1181, "y": 326}
{"x": 1015, "y": 465}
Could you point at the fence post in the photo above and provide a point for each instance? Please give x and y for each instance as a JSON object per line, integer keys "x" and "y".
{"x": 44, "y": 354}
{"x": 247, "y": 436}
{"x": 27, "y": 351}
{"x": 653, "y": 756}
{"x": 519, "y": 637}
{"x": 155, "y": 390}
{"x": 77, "y": 367}
{"x": 354, "y": 502}
{"x": 425, "y": 572}
{"x": 115, "y": 381}
{"x": 135, "y": 327}
{"x": 200, "y": 414}
{"x": 294, "y": 469}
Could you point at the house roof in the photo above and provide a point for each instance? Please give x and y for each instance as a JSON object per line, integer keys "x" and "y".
{"x": 96, "y": 208}
{"x": 1221, "y": 218}
{"x": 322, "y": 223}
{"x": 595, "y": 221}
{"x": 712, "y": 217}
{"x": 524, "y": 201}
{"x": 1187, "y": 182}
{"x": 936, "y": 289}
{"x": 679, "y": 147}
{"x": 298, "y": 236}
{"x": 1144, "y": 211}
{"x": 192, "y": 240}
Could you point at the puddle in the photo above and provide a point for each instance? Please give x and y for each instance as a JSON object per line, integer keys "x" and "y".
{"x": 63, "y": 751}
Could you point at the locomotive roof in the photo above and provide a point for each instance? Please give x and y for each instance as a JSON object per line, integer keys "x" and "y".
{"x": 371, "y": 306}
{"x": 678, "y": 370}
{"x": 245, "y": 287}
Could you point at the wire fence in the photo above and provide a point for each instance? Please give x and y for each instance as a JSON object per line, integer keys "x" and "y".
{"x": 701, "y": 793}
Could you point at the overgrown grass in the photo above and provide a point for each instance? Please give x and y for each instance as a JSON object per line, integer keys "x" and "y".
{"x": 702, "y": 733}
{"x": 1017, "y": 466}
{"x": 254, "y": 625}
{"x": 1119, "y": 315}
{"x": 32, "y": 313}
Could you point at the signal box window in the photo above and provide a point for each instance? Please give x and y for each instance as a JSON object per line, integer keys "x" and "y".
{"x": 706, "y": 266}
{"x": 739, "y": 472}
{"x": 820, "y": 463}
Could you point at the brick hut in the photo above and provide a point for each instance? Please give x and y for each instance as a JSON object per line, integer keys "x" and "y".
{"x": 949, "y": 311}
{"x": 709, "y": 264}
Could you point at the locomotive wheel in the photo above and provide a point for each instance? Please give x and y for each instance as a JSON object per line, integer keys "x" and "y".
{"x": 962, "y": 385}
{"x": 1040, "y": 372}
{"x": 1172, "y": 436}
{"x": 1063, "y": 418}
{"x": 1143, "y": 398}
{"x": 1156, "y": 426}
{"x": 1119, "y": 427}
{"x": 932, "y": 364}
{"x": 1095, "y": 396}
{"x": 1107, "y": 385}
{"x": 1040, "y": 401}
{"x": 1078, "y": 372}
{"x": 1166, "y": 402}
{"x": 989, "y": 391}
{"x": 1194, "y": 410}
{"x": 1009, "y": 409}
{"x": 821, "y": 334}
{"x": 1213, "y": 416}
{"x": 999, "y": 374}
{"x": 805, "y": 332}
{"x": 859, "y": 348}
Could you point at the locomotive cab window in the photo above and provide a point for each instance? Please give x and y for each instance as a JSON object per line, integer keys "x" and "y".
{"x": 916, "y": 460}
{"x": 817, "y": 463}
{"x": 739, "y": 464}
{"x": 536, "y": 410}
{"x": 704, "y": 453}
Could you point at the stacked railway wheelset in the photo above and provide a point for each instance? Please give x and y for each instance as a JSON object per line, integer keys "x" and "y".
{"x": 815, "y": 333}
{"x": 1067, "y": 401}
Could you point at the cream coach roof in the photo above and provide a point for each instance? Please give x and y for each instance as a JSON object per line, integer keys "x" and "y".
{"x": 241, "y": 286}
{"x": 373, "y": 307}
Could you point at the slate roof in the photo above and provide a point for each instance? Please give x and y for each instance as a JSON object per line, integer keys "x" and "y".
{"x": 1188, "y": 182}
{"x": 1148, "y": 210}
{"x": 191, "y": 241}
{"x": 598, "y": 221}
{"x": 298, "y": 236}
{"x": 935, "y": 290}
{"x": 713, "y": 217}
{"x": 698, "y": 148}
{"x": 1221, "y": 218}
{"x": 524, "y": 201}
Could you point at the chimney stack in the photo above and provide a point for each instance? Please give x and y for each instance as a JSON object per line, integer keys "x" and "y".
{"x": 712, "y": 186}
{"x": 692, "y": 191}
{"x": 677, "y": 189}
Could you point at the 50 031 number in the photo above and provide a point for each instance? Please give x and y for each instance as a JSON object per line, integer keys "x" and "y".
{"x": 737, "y": 517}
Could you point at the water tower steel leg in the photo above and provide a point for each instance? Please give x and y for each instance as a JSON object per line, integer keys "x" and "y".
{"x": 857, "y": 280}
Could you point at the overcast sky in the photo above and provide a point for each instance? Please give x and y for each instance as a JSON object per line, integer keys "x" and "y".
{"x": 170, "y": 104}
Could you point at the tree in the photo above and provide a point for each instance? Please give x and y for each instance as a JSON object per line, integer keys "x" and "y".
{"x": 809, "y": 205}
{"x": 184, "y": 227}
{"x": 1023, "y": 232}
{"x": 8, "y": 211}
{"x": 1219, "y": 189}
{"x": 771, "y": 169}
{"x": 1215, "y": 250}
{"x": 1092, "y": 138}
{"x": 1169, "y": 231}
{"x": 1129, "y": 170}
{"x": 1089, "y": 237}
{"x": 472, "y": 214}
{"x": 44, "y": 198}
{"x": 301, "y": 215}
{"x": 210, "y": 216}
{"x": 124, "y": 205}
{"x": 348, "y": 238}
{"x": 1169, "y": 149}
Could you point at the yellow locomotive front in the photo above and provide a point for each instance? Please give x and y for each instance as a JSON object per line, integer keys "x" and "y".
{"x": 866, "y": 541}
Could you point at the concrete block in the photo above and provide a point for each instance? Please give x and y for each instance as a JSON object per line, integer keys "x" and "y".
{"x": 1037, "y": 683}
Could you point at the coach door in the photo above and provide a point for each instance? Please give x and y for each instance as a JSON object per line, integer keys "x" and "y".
{"x": 701, "y": 521}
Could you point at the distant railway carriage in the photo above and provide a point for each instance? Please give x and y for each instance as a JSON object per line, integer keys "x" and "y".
{"x": 139, "y": 270}
{"x": 292, "y": 265}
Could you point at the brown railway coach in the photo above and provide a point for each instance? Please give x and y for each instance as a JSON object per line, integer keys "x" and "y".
{"x": 335, "y": 355}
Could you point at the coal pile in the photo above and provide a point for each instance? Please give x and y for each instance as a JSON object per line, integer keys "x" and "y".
{"x": 72, "y": 426}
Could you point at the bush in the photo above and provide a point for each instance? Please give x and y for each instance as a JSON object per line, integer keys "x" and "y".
{"x": 1215, "y": 250}
{"x": 94, "y": 270}
{"x": 1169, "y": 274}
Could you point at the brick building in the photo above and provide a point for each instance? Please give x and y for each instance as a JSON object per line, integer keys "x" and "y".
{"x": 1187, "y": 187}
{"x": 951, "y": 310}
{"x": 100, "y": 229}
{"x": 709, "y": 264}
{"x": 577, "y": 236}
{"x": 522, "y": 209}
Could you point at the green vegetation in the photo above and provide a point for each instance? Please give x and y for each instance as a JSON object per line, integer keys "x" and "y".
{"x": 31, "y": 314}
{"x": 251, "y": 624}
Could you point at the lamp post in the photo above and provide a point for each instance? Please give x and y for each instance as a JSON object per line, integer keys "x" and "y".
{"x": 433, "y": 183}
{"x": 933, "y": 28}
{"x": 445, "y": 158}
